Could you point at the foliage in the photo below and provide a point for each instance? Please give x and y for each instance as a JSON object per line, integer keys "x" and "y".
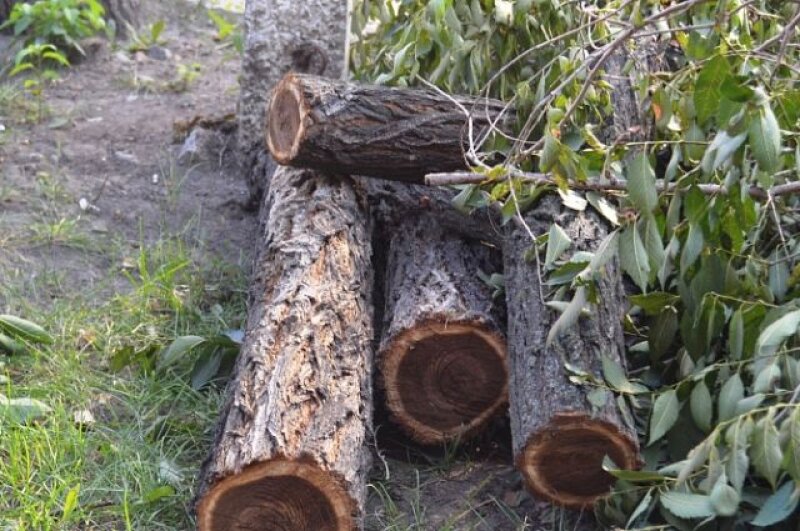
{"x": 227, "y": 32}
{"x": 17, "y": 335}
{"x": 60, "y": 23}
{"x": 141, "y": 42}
{"x": 36, "y": 59}
{"x": 706, "y": 221}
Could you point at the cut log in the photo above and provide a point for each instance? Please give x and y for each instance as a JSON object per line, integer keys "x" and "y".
{"x": 391, "y": 133}
{"x": 290, "y": 449}
{"x": 442, "y": 355}
{"x": 560, "y": 437}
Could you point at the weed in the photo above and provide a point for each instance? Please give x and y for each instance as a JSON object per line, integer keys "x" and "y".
{"x": 185, "y": 75}
{"x": 59, "y": 23}
{"x": 228, "y": 33}
{"x": 141, "y": 42}
{"x": 37, "y": 59}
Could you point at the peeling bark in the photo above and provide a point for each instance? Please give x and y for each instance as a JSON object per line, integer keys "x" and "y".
{"x": 443, "y": 355}
{"x": 290, "y": 449}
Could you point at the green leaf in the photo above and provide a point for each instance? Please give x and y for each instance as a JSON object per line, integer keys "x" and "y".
{"x": 158, "y": 493}
{"x": 604, "y": 252}
{"x": 655, "y": 302}
{"x": 9, "y": 346}
{"x": 766, "y": 451}
{"x": 735, "y": 89}
{"x": 22, "y": 410}
{"x": 707, "y": 92}
{"x": 641, "y": 508}
{"x": 778, "y": 507}
{"x": 764, "y": 136}
{"x": 701, "y": 405}
{"x": 665, "y": 413}
{"x": 721, "y": 149}
{"x": 736, "y": 335}
{"x": 26, "y": 330}
{"x": 70, "y": 503}
{"x": 776, "y": 333}
{"x": 724, "y": 498}
{"x": 685, "y": 505}
{"x": 692, "y": 248}
{"x": 206, "y": 367}
{"x": 792, "y": 460}
{"x": 633, "y": 476}
{"x": 642, "y": 183}
{"x": 732, "y": 391}
{"x": 557, "y": 242}
{"x": 569, "y": 316}
{"x": 179, "y": 348}
{"x": 767, "y": 378}
{"x": 633, "y": 256}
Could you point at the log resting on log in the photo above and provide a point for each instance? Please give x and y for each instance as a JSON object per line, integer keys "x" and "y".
{"x": 391, "y": 203}
{"x": 559, "y": 437}
{"x": 391, "y": 133}
{"x": 290, "y": 449}
{"x": 442, "y": 356}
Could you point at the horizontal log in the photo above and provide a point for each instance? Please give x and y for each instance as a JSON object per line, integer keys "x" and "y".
{"x": 390, "y": 133}
{"x": 290, "y": 449}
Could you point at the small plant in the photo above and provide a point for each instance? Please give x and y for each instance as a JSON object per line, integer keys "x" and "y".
{"x": 228, "y": 32}
{"x": 60, "y": 23}
{"x": 16, "y": 333}
{"x": 185, "y": 75}
{"x": 39, "y": 60}
{"x": 141, "y": 42}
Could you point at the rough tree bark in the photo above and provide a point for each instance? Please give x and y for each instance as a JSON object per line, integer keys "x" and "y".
{"x": 560, "y": 438}
{"x": 392, "y": 202}
{"x": 283, "y": 35}
{"x": 290, "y": 449}
{"x": 443, "y": 355}
{"x": 391, "y": 133}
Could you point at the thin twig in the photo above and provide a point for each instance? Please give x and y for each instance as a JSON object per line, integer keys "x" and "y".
{"x": 613, "y": 185}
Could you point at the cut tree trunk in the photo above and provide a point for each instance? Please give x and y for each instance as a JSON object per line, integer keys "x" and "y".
{"x": 560, "y": 436}
{"x": 282, "y": 36}
{"x": 390, "y": 133}
{"x": 442, "y": 356}
{"x": 290, "y": 449}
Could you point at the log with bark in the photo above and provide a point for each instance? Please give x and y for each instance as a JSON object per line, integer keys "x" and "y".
{"x": 560, "y": 436}
{"x": 282, "y": 36}
{"x": 290, "y": 449}
{"x": 443, "y": 356}
{"x": 391, "y": 133}
{"x": 392, "y": 203}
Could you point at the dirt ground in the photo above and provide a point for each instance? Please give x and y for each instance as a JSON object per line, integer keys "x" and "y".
{"x": 102, "y": 175}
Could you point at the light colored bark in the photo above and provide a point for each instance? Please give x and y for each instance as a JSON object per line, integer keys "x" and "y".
{"x": 283, "y": 35}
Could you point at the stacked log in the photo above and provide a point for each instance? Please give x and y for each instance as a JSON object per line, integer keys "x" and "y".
{"x": 559, "y": 437}
{"x": 385, "y": 132}
{"x": 443, "y": 357}
{"x": 290, "y": 449}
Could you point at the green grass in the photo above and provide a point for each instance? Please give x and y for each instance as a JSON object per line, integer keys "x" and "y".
{"x": 134, "y": 467}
